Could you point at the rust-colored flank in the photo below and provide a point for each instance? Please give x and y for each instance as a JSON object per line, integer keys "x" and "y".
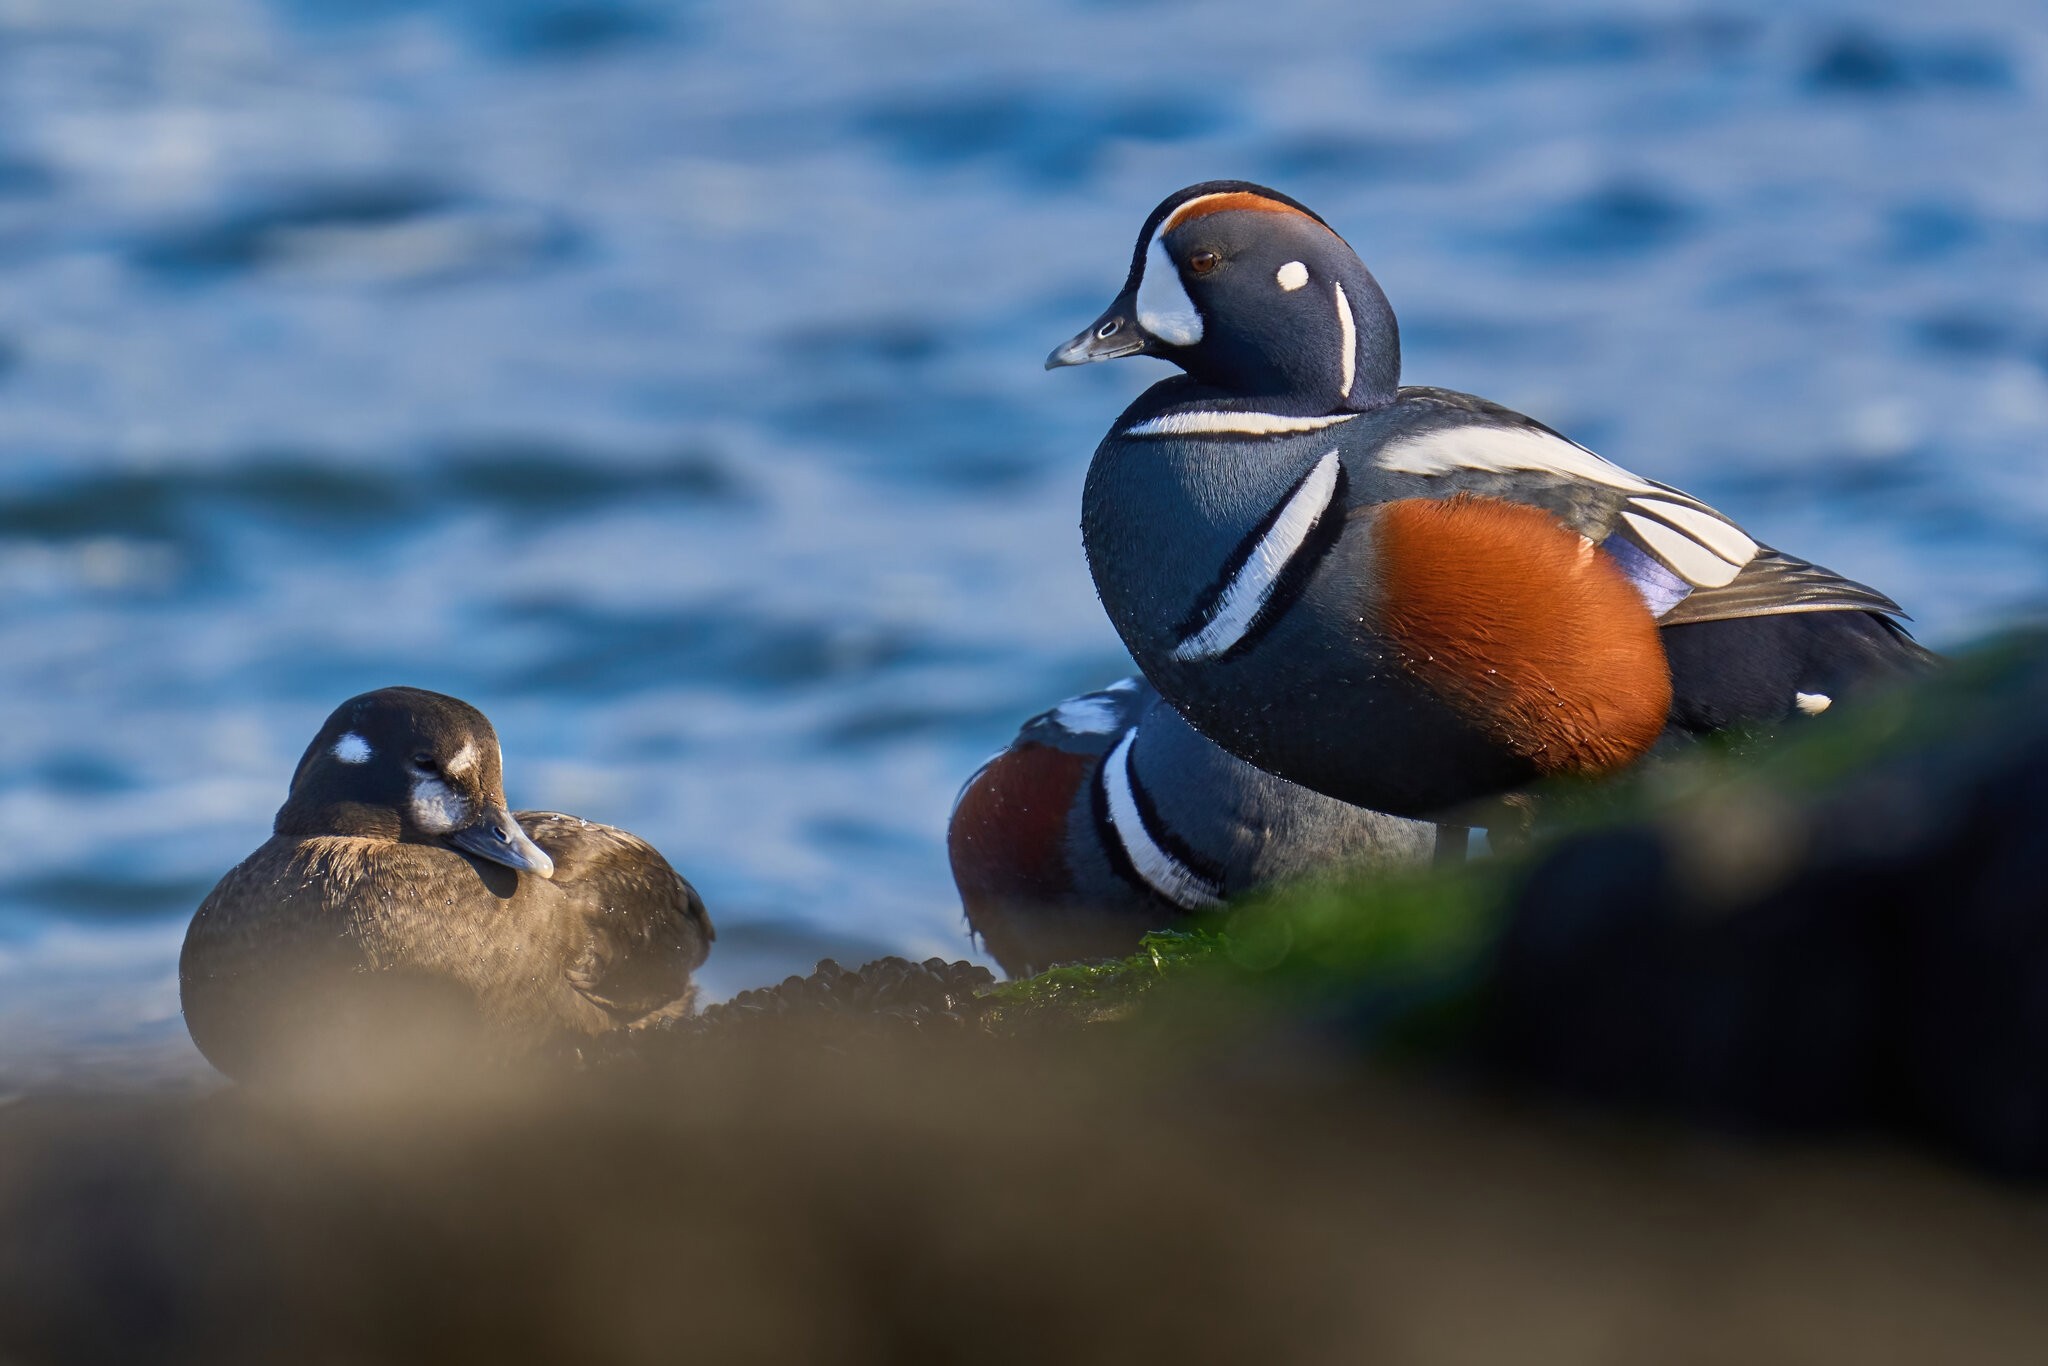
{"x": 1008, "y": 834}
{"x": 1520, "y": 622}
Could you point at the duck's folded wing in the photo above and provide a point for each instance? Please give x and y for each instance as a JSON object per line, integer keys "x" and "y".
{"x": 1774, "y": 583}
{"x": 646, "y": 929}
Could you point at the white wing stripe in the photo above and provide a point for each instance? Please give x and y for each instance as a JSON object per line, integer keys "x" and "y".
{"x": 1505, "y": 449}
{"x": 1722, "y": 537}
{"x": 1695, "y": 563}
{"x": 1255, "y": 579}
{"x": 1162, "y": 872}
{"x": 1243, "y": 424}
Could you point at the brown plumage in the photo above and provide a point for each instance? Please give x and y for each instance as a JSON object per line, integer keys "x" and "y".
{"x": 400, "y": 906}
{"x": 1519, "y": 621}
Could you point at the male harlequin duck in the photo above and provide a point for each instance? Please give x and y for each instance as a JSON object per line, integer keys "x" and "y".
{"x": 1410, "y": 598}
{"x": 1109, "y": 817}
{"x": 397, "y": 877}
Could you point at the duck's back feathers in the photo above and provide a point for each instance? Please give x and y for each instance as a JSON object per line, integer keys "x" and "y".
{"x": 646, "y": 929}
{"x": 1774, "y": 583}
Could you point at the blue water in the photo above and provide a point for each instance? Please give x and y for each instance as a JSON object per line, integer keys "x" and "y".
{"x": 664, "y": 378}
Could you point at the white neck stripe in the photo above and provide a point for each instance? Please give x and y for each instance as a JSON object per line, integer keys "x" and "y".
{"x": 1239, "y": 424}
{"x": 1161, "y": 871}
{"x": 1350, "y": 354}
{"x": 1254, "y": 581}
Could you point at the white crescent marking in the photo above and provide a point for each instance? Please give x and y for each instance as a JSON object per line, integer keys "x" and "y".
{"x": 1253, "y": 582}
{"x": 1164, "y": 308}
{"x": 352, "y": 749}
{"x": 1162, "y": 872}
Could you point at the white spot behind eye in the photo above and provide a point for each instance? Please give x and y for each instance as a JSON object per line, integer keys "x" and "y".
{"x": 1164, "y": 308}
{"x": 464, "y": 760}
{"x": 438, "y": 808}
{"x": 1292, "y": 276}
{"x": 352, "y": 749}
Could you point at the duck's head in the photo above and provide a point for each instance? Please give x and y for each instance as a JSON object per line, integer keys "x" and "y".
{"x": 410, "y": 765}
{"x": 1250, "y": 292}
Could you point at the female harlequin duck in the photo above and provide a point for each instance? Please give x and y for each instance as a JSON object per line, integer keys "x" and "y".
{"x": 1109, "y": 817}
{"x": 397, "y": 877}
{"x": 1410, "y": 598}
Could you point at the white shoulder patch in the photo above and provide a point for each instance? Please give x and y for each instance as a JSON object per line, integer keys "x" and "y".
{"x": 1505, "y": 450}
{"x": 1162, "y": 872}
{"x": 1086, "y": 716}
{"x": 1693, "y": 541}
{"x": 1812, "y": 703}
{"x": 352, "y": 749}
{"x": 1208, "y": 423}
{"x": 1253, "y": 581}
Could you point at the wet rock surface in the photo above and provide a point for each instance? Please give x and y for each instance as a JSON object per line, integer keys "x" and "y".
{"x": 933, "y": 994}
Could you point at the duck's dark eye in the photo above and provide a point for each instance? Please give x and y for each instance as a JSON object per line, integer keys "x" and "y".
{"x": 1202, "y": 262}
{"x": 1109, "y": 329}
{"x": 424, "y": 762}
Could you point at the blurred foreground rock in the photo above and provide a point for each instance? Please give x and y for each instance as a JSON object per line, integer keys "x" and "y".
{"x": 957, "y": 1198}
{"x": 1851, "y": 932}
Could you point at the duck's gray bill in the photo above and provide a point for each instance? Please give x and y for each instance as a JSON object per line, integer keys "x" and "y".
{"x": 1113, "y": 334}
{"x": 497, "y": 837}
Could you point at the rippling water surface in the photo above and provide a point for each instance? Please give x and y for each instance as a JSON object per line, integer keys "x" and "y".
{"x": 664, "y": 378}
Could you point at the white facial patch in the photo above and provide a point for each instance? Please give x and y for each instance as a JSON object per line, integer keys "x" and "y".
{"x": 1164, "y": 308}
{"x": 1812, "y": 703}
{"x": 352, "y": 749}
{"x": 1292, "y": 276}
{"x": 1349, "y": 359}
{"x": 464, "y": 760}
{"x": 438, "y": 808}
{"x": 1253, "y": 581}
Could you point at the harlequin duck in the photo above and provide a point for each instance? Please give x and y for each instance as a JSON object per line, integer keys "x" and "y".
{"x": 1409, "y": 598}
{"x": 1108, "y": 817}
{"x": 396, "y": 878}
